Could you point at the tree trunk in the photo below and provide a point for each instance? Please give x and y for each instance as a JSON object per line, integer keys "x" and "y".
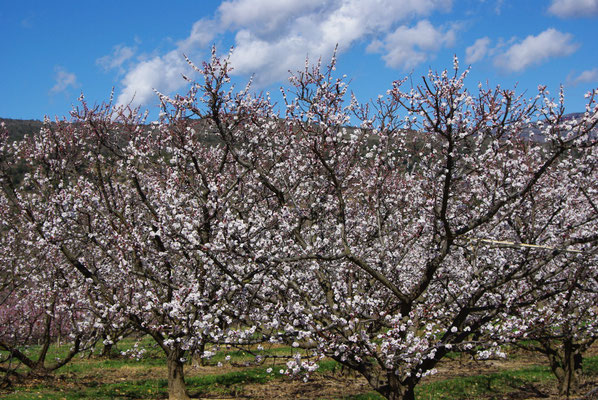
{"x": 202, "y": 360}
{"x": 40, "y": 372}
{"x": 402, "y": 394}
{"x": 398, "y": 390}
{"x": 571, "y": 369}
{"x": 107, "y": 350}
{"x": 566, "y": 366}
{"x": 383, "y": 381}
{"x": 176, "y": 378}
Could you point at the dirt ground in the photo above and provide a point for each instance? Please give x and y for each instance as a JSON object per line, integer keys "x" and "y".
{"x": 334, "y": 384}
{"x": 344, "y": 383}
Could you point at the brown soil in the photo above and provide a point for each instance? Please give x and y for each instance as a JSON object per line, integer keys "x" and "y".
{"x": 319, "y": 387}
{"x": 330, "y": 385}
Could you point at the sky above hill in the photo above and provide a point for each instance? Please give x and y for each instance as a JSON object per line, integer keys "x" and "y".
{"x": 52, "y": 52}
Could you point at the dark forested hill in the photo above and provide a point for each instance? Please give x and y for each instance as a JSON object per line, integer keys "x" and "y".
{"x": 17, "y": 128}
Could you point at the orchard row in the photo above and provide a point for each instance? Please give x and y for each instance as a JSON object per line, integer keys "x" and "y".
{"x": 444, "y": 220}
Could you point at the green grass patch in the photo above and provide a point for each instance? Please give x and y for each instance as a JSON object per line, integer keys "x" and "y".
{"x": 239, "y": 355}
{"x": 482, "y": 385}
{"x": 84, "y": 365}
{"x": 590, "y": 365}
{"x": 472, "y": 387}
{"x": 83, "y": 378}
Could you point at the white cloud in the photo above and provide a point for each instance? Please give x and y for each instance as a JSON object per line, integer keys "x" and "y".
{"x": 275, "y": 36}
{"x": 272, "y": 37}
{"x": 407, "y": 47}
{"x": 162, "y": 73}
{"x": 574, "y": 8}
{"x": 265, "y": 16}
{"x": 588, "y": 76}
{"x": 202, "y": 33}
{"x": 116, "y": 60}
{"x": 535, "y": 50}
{"x": 63, "y": 80}
{"x": 477, "y": 51}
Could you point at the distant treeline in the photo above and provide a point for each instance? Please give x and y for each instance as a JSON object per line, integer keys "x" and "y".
{"x": 17, "y": 128}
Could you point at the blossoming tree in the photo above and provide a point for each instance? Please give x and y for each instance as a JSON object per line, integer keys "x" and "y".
{"x": 430, "y": 227}
{"x": 41, "y": 300}
{"x": 145, "y": 217}
{"x": 562, "y": 326}
{"x": 378, "y": 240}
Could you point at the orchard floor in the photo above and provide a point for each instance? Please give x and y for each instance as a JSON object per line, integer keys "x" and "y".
{"x": 521, "y": 376}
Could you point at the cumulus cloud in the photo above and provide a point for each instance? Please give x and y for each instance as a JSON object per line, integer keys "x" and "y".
{"x": 574, "y": 8}
{"x": 265, "y": 16}
{"x": 313, "y": 28}
{"x": 535, "y": 50}
{"x": 272, "y": 37}
{"x": 63, "y": 80}
{"x": 117, "y": 59}
{"x": 477, "y": 51}
{"x": 588, "y": 76}
{"x": 407, "y": 47}
{"x": 162, "y": 73}
{"x": 202, "y": 33}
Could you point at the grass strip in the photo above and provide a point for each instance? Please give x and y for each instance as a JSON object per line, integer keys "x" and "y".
{"x": 232, "y": 384}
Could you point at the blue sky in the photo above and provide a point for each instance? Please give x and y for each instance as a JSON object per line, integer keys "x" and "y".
{"x": 52, "y": 52}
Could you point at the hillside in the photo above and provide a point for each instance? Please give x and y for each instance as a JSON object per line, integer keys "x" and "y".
{"x": 17, "y": 128}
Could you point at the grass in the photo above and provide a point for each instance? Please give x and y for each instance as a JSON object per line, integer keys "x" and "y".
{"x": 228, "y": 384}
{"x": 82, "y": 378}
{"x": 498, "y": 384}
{"x": 487, "y": 386}
{"x": 124, "y": 378}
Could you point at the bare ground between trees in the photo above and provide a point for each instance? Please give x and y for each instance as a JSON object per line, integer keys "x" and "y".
{"x": 336, "y": 384}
